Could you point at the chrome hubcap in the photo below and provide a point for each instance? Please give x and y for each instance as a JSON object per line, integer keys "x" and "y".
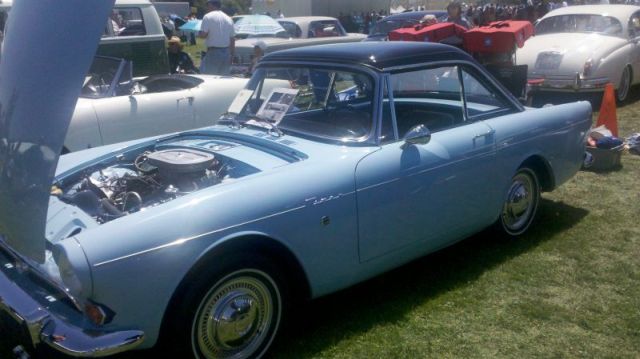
{"x": 623, "y": 89}
{"x": 520, "y": 204}
{"x": 234, "y": 318}
{"x": 234, "y": 321}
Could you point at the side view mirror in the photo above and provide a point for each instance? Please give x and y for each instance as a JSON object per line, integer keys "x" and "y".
{"x": 137, "y": 88}
{"x": 417, "y": 135}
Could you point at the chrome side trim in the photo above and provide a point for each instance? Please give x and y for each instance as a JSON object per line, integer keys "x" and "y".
{"x": 185, "y": 240}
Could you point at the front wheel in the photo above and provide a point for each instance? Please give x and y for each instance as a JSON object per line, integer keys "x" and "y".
{"x": 521, "y": 203}
{"x": 234, "y": 312}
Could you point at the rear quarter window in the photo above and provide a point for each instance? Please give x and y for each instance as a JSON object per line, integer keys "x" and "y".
{"x": 126, "y": 21}
{"x": 292, "y": 29}
{"x": 325, "y": 28}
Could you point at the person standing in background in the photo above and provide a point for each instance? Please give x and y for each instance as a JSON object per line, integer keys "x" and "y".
{"x": 259, "y": 48}
{"x": 454, "y": 15}
{"x": 217, "y": 29}
{"x": 179, "y": 61}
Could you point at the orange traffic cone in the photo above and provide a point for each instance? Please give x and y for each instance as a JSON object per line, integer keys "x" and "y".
{"x": 607, "y": 114}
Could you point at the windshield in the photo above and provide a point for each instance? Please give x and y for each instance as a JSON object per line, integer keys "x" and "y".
{"x": 580, "y": 23}
{"x": 107, "y": 77}
{"x": 327, "y": 103}
{"x": 386, "y": 26}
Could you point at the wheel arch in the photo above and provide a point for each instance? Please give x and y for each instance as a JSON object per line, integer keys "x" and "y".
{"x": 254, "y": 243}
{"x": 543, "y": 170}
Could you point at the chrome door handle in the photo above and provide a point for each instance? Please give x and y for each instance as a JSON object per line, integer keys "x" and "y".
{"x": 486, "y": 134}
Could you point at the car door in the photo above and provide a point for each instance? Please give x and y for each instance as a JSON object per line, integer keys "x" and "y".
{"x": 634, "y": 38}
{"x": 128, "y": 117}
{"x": 435, "y": 192}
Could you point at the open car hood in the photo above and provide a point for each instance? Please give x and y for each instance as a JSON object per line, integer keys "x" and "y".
{"x": 46, "y": 54}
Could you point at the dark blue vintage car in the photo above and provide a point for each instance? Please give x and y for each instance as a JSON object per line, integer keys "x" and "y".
{"x": 380, "y": 31}
{"x": 335, "y": 163}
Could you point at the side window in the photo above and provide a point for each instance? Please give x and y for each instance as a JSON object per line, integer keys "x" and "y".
{"x": 480, "y": 100}
{"x": 431, "y": 97}
{"x": 325, "y": 29}
{"x": 634, "y": 25}
{"x": 292, "y": 29}
{"x": 125, "y": 22}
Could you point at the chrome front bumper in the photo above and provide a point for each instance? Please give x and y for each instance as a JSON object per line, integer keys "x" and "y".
{"x": 575, "y": 83}
{"x": 17, "y": 299}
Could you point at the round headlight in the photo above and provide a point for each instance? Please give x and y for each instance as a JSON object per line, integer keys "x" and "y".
{"x": 73, "y": 267}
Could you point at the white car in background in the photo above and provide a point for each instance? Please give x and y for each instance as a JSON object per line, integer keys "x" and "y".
{"x": 582, "y": 48}
{"x": 114, "y": 107}
{"x": 300, "y": 31}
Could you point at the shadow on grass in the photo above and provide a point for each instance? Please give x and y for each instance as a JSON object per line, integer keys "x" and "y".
{"x": 388, "y": 297}
{"x": 632, "y": 98}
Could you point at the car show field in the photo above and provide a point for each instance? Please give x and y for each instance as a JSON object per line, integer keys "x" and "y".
{"x": 353, "y": 200}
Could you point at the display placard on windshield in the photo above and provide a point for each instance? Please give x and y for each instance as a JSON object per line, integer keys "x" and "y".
{"x": 277, "y": 104}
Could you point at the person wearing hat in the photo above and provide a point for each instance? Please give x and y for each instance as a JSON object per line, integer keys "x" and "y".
{"x": 259, "y": 47}
{"x": 217, "y": 29}
{"x": 429, "y": 20}
{"x": 179, "y": 61}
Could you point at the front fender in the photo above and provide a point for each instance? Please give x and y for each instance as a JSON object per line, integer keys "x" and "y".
{"x": 138, "y": 261}
{"x": 84, "y": 129}
{"x": 611, "y": 64}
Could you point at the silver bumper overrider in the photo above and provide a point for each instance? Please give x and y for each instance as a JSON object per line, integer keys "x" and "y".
{"x": 18, "y": 293}
{"x": 566, "y": 83}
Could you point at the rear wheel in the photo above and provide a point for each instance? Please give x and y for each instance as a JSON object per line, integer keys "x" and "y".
{"x": 233, "y": 312}
{"x": 521, "y": 203}
{"x": 625, "y": 85}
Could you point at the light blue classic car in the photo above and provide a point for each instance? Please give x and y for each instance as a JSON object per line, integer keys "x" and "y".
{"x": 335, "y": 163}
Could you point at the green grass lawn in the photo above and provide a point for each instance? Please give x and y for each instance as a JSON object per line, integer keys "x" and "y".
{"x": 194, "y": 50}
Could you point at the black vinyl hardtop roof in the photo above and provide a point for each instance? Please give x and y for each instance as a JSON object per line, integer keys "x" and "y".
{"x": 378, "y": 55}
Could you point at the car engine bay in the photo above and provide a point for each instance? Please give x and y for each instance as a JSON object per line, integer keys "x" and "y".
{"x": 152, "y": 178}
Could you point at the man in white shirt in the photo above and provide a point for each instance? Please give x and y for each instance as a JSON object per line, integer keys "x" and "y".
{"x": 217, "y": 29}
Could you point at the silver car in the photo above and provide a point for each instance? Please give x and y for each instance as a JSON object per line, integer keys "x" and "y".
{"x": 302, "y": 31}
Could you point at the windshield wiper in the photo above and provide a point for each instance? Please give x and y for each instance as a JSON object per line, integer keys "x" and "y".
{"x": 231, "y": 117}
{"x": 272, "y": 127}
